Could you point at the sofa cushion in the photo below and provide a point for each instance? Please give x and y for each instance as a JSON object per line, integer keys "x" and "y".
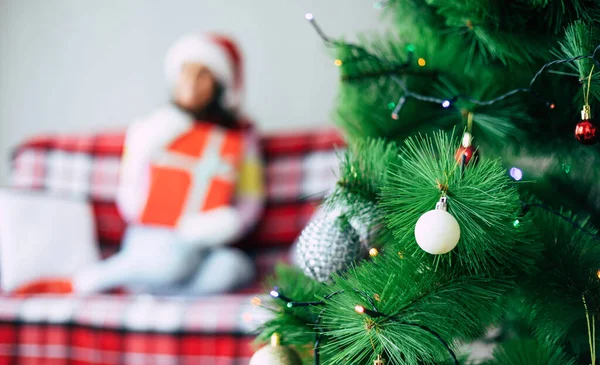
{"x": 300, "y": 169}
{"x": 34, "y": 243}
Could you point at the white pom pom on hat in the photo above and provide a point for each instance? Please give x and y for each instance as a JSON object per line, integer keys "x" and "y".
{"x": 218, "y": 53}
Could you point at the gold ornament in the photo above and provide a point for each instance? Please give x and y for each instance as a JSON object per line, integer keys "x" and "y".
{"x": 275, "y": 354}
{"x": 379, "y": 361}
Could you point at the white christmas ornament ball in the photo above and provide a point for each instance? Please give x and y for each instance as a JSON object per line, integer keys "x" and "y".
{"x": 437, "y": 232}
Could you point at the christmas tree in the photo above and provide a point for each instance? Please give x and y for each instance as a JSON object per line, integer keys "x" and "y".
{"x": 471, "y": 179}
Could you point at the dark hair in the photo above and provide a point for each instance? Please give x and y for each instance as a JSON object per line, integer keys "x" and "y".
{"x": 215, "y": 111}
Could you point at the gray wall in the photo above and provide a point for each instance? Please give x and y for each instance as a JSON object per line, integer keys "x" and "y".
{"x": 85, "y": 65}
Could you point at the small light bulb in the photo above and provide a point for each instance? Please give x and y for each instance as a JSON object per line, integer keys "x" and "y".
{"x": 309, "y": 16}
{"x": 516, "y": 173}
{"x": 421, "y": 61}
{"x": 552, "y": 106}
{"x": 395, "y": 116}
{"x": 410, "y": 48}
{"x": 337, "y": 62}
{"x": 359, "y": 309}
{"x": 401, "y": 254}
{"x": 256, "y": 301}
{"x": 274, "y": 294}
{"x": 290, "y": 305}
{"x": 377, "y": 297}
{"x": 516, "y": 223}
{"x": 598, "y": 274}
{"x": 373, "y": 252}
{"x": 446, "y": 104}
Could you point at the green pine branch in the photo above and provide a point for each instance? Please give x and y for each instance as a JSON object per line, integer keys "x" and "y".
{"x": 363, "y": 169}
{"x": 419, "y": 304}
{"x": 580, "y": 39}
{"x": 567, "y": 272}
{"x": 296, "y": 325}
{"x": 528, "y": 352}
{"x": 494, "y": 236}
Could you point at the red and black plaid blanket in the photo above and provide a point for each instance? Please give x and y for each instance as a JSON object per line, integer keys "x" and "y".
{"x": 121, "y": 329}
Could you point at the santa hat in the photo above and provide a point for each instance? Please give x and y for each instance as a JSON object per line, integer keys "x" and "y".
{"x": 218, "y": 53}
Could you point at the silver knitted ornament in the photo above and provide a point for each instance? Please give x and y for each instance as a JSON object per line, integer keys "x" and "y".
{"x": 327, "y": 245}
{"x": 367, "y": 222}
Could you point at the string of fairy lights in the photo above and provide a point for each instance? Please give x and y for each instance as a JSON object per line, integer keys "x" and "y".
{"x": 579, "y": 227}
{"x": 393, "y": 70}
{"x": 371, "y": 312}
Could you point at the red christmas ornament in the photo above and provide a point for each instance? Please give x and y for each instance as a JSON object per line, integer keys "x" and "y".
{"x": 468, "y": 152}
{"x": 586, "y": 131}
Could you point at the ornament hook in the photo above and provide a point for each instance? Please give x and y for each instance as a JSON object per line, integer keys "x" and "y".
{"x": 379, "y": 361}
{"x": 586, "y": 112}
{"x": 275, "y": 339}
{"x": 442, "y": 204}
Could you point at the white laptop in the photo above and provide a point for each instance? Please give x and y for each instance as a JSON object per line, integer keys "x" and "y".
{"x": 43, "y": 236}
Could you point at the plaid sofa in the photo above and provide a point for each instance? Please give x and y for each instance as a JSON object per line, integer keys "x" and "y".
{"x": 144, "y": 330}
